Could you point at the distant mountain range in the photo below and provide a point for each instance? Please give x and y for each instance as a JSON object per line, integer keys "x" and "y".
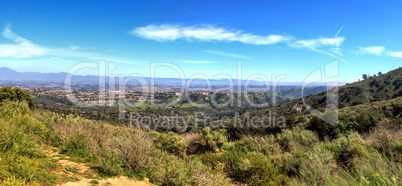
{"x": 10, "y": 74}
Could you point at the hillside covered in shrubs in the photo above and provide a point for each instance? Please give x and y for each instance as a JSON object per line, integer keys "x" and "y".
{"x": 364, "y": 149}
{"x": 383, "y": 87}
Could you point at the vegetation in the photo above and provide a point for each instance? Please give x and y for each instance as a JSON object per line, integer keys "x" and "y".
{"x": 59, "y": 103}
{"x": 379, "y": 88}
{"x": 16, "y": 94}
{"x": 364, "y": 148}
{"x": 110, "y": 149}
{"x": 293, "y": 156}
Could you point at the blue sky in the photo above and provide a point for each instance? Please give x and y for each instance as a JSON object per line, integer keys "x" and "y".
{"x": 203, "y": 37}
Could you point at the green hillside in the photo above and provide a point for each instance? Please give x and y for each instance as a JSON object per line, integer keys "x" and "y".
{"x": 365, "y": 149}
{"x": 383, "y": 87}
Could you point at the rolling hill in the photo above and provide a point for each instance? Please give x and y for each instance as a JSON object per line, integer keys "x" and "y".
{"x": 383, "y": 87}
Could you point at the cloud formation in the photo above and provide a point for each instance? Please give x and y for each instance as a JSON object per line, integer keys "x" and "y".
{"x": 208, "y": 33}
{"x": 211, "y": 33}
{"x": 199, "y": 62}
{"x": 21, "y": 48}
{"x": 227, "y": 54}
{"x": 24, "y": 48}
{"x": 379, "y": 51}
{"x": 395, "y": 54}
{"x": 374, "y": 50}
{"x": 319, "y": 42}
{"x": 74, "y": 47}
{"x": 330, "y": 44}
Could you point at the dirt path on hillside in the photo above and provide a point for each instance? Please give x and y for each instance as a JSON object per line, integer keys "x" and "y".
{"x": 110, "y": 181}
{"x": 81, "y": 174}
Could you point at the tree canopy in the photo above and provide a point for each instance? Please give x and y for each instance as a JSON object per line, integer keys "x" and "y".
{"x": 16, "y": 94}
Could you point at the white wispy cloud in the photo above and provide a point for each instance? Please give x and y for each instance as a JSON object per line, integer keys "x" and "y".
{"x": 374, "y": 50}
{"x": 336, "y": 50}
{"x": 319, "y": 42}
{"x": 227, "y": 54}
{"x": 379, "y": 51}
{"x": 395, "y": 54}
{"x": 199, "y": 62}
{"x": 322, "y": 45}
{"x": 339, "y": 31}
{"x": 207, "y": 33}
{"x": 74, "y": 47}
{"x": 24, "y": 48}
{"x": 211, "y": 33}
{"x": 21, "y": 48}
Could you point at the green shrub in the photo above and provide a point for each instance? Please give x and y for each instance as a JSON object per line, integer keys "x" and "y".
{"x": 316, "y": 169}
{"x": 201, "y": 175}
{"x": 322, "y": 128}
{"x": 184, "y": 171}
{"x": 13, "y": 181}
{"x": 14, "y": 167}
{"x": 336, "y": 150}
{"x": 176, "y": 172}
{"x": 293, "y": 161}
{"x": 351, "y": 148}
{"x": 76, "y": 145}
{"x": 16, "y": 94}
{"x": 213, "y": 140}
{"x": 397, "y": 147}
{"x": 247, "y": 144}
{"x": 252, "y": 168}
{"x": 94, "y": 182}
{"x": 285, "y": 140}
{"x": 71, "y": 169}
{"x": 15, "y": 141}
{"x": 376, "y": 169}
{"x": 292, "y": 140}
{"x": 267, "y": 145}
{"x": 211, "y": 159}
{"x": 21, "y": 161}
{"x": 365, "y": 122}
{"x": 111, "y": 164}
{"x": 307, "y": 138}
{"x": 172, "y": 143}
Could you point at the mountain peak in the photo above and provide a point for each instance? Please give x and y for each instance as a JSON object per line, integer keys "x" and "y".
{"x": 5, "y": 69}
{"x": 7, "y": 73}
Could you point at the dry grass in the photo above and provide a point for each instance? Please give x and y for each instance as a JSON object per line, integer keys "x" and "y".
{"x": 135, "y": 149}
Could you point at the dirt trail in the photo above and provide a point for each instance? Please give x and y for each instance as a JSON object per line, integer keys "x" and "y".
{"x": 110, "y": 181}
{"x": 81, "y": 174}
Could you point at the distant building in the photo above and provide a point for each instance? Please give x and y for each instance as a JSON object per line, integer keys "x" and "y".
{"x": 177, "y": 93}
